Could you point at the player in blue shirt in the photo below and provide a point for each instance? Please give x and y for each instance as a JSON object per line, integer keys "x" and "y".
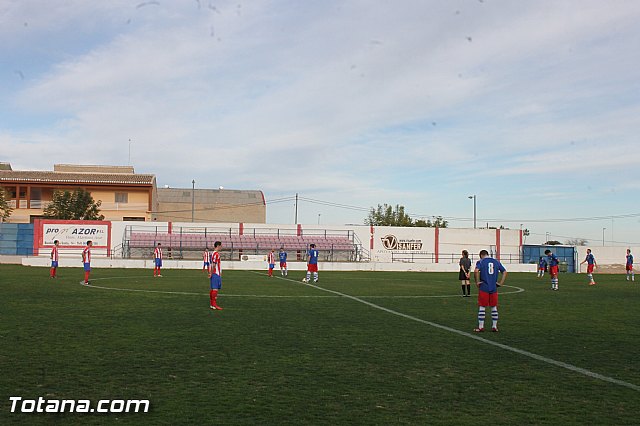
{"x": 486, "y": 276}
{"x": 542, "y": 266}
{"x": 553, "y": 262}
{"x": 629, "y": 266}
{"x": 591, "y": 264}
{"x": 312, "y": 264}
{"x": 283, "y": 262}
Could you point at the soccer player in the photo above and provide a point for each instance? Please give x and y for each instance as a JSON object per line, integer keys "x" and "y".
{"x": 271, "y": 259}
{"x": 312, "y": 264}
{"x": 486, "y": 278}
{"x": 591, "y": 265}
{"x": 542, "y": 266}
{"x": 629, "y": 266}
{"x": 157, "y": 255}
{"x": 206, "y": 258}
{"x": 553, "y": 263}
{"x": 464, "y": 274}
{"x": 215, "y": 276}
{"x": 86, "y": 261}
{"x": 54, "y": 259}
{"x": 283, "y": 262}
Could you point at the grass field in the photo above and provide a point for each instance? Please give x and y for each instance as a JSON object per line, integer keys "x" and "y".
{"x": 282, "y": 352}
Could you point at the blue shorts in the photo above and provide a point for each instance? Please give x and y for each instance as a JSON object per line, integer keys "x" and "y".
{"x": 87, "y": 267}
{"x": 158, "y": 263}
{"x": 272, "y": 265}
{"x": 206, "y": 265}
{"x": 54, "y": 263}
{"x": 216, "y": 282}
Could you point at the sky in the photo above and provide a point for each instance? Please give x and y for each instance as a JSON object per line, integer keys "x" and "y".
{"x": 532, "y": 106}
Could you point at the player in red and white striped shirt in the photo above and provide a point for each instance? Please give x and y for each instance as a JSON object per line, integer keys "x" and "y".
{"x": 157, "y": 255}
{"x": 206, "y": 258}
{"x": 215, "y": 276}
{"x": 86, "y": 261}
{"x": 54, "y": 259}
{"x": 271, "y": 260}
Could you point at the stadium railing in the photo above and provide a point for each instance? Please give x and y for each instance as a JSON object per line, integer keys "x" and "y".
{"x": 188, "y": 243}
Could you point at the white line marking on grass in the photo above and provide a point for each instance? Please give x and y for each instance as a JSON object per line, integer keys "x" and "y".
{"x": 551, "y": 361}
{"x": 204, "y": 294}
{"x": 518, "y": 290}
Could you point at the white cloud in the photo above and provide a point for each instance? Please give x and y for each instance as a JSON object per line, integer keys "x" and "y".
{"x": 353, "y": 100}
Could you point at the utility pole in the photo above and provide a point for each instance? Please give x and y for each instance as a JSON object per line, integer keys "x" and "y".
{"x": 193, "y": 199}
{"x": 474, "y": 209}
{"x": 296, "y": 208}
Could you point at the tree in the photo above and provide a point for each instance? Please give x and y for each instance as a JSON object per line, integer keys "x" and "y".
{"x": 553, "y": 243}
{"x": 577, "y": 242}
{"x": 438, "y": 222}
{"x": 386, "y": 215}
{"x": 5, "y": 209}
{"x": 76, "y": 205}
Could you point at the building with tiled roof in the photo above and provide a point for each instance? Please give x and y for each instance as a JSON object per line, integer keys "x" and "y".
{"x": 125, "y": 195}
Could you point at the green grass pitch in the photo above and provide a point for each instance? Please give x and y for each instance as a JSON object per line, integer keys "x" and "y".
{"x": 282, "y": 352}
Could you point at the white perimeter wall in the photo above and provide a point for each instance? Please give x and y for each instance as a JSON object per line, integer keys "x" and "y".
{"x": 421, "y": 243}
{"x": 608, "y": 256}
{"x": 297, "y": 268}
{"x": 451, "y": 242}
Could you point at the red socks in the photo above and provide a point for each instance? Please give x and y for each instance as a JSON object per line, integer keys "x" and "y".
{"x": 270, "y": 272}
{"x": 86, "y": 276}
{"x": 52, "y": 274}
{"x": 213, "y": 295}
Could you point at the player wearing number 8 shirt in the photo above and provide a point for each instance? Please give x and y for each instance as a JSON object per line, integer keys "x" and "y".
{"x": 486, "y": 276}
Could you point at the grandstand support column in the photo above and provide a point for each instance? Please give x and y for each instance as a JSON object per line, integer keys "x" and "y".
{"x": 437, "y": 244}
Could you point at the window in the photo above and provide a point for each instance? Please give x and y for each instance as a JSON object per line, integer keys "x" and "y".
{"x": 122, "y": 197}
{"x": 36, "y": 194}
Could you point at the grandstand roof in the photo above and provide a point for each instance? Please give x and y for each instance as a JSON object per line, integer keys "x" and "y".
{"x": 210, "y": 196}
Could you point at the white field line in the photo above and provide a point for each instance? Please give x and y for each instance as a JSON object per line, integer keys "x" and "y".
{"x": 532, "y": 355}
{"x": 518, "y": 290}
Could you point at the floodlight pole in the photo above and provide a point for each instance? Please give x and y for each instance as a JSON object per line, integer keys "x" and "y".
{"x": 296, "y": 218}
{"x": 474, "y": 209}
{"x": 603, "y": 229}
{"x": 193, "y": 199}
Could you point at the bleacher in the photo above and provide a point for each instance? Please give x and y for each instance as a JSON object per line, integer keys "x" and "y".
{"x": 190, "y": 245}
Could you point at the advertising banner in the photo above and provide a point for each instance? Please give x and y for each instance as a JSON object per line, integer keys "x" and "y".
{"x": 72, "y": 233}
